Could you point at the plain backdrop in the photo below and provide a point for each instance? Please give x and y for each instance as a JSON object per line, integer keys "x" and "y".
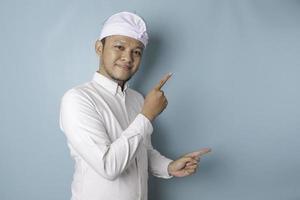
{"x": 235, "y": 89}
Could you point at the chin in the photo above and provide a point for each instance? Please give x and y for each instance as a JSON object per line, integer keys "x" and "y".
{"x": 122, "y": 78}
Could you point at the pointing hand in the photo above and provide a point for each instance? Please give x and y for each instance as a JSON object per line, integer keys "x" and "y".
{"x": 155, "y": 101}
{"x": 187, "y": 164}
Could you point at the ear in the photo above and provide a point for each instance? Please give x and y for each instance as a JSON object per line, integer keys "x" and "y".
{"x": 99, "y": 47}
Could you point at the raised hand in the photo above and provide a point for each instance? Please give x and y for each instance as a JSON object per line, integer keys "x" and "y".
{"x": 155, "y": 101}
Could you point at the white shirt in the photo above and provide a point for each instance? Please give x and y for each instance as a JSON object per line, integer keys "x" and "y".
{"x": 110, "y": 141}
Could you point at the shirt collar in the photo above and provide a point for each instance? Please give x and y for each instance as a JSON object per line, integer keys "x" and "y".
{"x": 109, "y": 84}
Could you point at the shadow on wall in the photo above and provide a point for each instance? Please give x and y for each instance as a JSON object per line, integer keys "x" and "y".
{"x": 149, "y": 60}
{"x": 214, "y": 172}
{"x": 210, "y": 167}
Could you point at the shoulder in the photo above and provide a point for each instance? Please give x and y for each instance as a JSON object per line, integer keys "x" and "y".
{"x": 78, "y": 94}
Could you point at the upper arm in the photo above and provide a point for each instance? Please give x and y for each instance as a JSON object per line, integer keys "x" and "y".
{"x": 83, "y": 126}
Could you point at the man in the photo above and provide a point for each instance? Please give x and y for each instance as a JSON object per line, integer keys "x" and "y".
{"x": 108, "y": 125}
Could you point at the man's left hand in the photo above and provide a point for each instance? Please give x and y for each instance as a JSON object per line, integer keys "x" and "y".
{"x": 187, "y": 164}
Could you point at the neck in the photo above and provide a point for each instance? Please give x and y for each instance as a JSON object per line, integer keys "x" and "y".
{"x": 119, "y": 82}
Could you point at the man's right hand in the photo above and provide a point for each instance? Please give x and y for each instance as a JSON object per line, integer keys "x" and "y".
{"x": 155, "y": 101}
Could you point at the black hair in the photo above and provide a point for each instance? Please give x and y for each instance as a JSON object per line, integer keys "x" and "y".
{"x": 103, "y": 41}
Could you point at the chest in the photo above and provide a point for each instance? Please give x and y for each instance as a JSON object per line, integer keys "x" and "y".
{"x": 117, "y": 113}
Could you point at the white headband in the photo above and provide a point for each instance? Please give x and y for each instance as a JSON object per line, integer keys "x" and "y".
{"x": 127, "y": 24}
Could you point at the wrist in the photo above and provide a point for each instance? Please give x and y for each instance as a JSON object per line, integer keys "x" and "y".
{"x": 170, "y": 169}
{"x": 150, "y": 118}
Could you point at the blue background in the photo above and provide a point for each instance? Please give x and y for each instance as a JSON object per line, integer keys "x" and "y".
{"x": 235, "y": 89}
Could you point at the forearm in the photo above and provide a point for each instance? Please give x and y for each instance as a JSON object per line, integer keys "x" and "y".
{"x": 158, "y": 164}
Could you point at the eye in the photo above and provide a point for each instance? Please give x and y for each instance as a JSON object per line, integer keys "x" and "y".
{"x": 119, "y": 47}
{"x": 138, "y": 53}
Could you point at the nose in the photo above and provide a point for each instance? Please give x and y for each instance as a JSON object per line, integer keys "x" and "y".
{"x": 127, "y": 57}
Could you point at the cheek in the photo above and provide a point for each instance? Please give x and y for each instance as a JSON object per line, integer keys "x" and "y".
{"x": 137, "y": 61}
{"x": 110, "y": 58}
{"x": 136, "y": 66}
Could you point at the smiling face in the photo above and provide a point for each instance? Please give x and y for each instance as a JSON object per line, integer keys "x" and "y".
{"x": 120, "y": 57}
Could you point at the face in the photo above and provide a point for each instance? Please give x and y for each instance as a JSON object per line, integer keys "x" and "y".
{"x": 120, "y": 57}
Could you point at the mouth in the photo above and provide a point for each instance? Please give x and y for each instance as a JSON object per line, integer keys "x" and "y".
{"x": 125, "y": 67}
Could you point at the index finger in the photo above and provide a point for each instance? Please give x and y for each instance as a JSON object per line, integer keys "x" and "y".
{"x": 197, "y": 154}
{"x": 163, "y": 81}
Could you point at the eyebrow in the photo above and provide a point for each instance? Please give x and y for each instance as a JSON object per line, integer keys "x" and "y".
{"x": 124, "y": 42}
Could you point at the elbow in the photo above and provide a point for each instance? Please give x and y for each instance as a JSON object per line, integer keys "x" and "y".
{"x": 111, "y": 176}
{"x": 106, "y": 173}
{"x": 109, "y": 173}
{"x": 111, "y": 168}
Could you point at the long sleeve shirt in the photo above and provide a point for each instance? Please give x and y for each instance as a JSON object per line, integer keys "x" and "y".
{"x": 110, "y": 141}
